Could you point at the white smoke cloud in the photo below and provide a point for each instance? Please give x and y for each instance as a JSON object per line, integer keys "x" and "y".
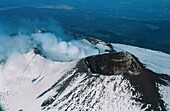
{"x": 8, "y": 45}
{"x": 55, "y": 45}
{"x": 56, "y": 49}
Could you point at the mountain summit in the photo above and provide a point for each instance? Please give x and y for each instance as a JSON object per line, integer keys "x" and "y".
{"x": 118, "y": 78}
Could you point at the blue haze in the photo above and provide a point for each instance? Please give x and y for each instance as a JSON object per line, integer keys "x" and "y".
{"x": 146, "y": 9}
{"x": 134, "y": 22}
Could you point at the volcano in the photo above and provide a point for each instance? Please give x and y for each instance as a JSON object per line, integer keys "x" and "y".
{"x": 118, "y": 78}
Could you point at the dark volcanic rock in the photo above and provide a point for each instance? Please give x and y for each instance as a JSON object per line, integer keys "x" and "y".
{"x": 113, "y": 64}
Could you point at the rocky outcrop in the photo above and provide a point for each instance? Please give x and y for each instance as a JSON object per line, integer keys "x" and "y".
{"x": 113, "y": 63}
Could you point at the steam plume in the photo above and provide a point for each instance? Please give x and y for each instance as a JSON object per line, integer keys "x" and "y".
{"x": 55, "y": 45}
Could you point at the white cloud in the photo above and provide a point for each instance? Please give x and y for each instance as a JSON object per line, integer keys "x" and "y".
{"x": 9, "y": 8}
{"x": 65, "y": 7}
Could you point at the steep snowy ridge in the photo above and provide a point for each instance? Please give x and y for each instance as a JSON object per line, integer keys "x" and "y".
{"x": 30, "y": 82}
{"x": 94, "y": 93}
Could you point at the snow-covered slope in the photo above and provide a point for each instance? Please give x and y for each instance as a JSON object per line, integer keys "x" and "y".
{"x": 155, "y": 60}
{"x": 30, "y": 82}
{"x": 25, "y": 76}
